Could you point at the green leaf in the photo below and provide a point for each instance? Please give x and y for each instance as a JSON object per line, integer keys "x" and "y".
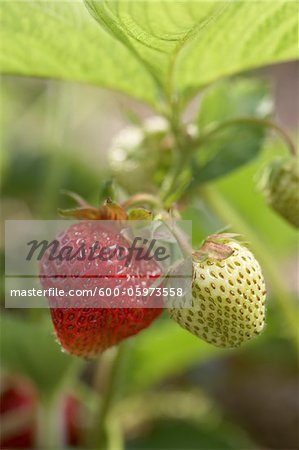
{"x": 236, "y": 144}
{"x": 188, "y": 44}
{"x": 60, "y": 40}
{"x": 150, "y": 50}
{"x": 234, "y": 98}
{"x": 163, "y": 350}
{"x": 238, "y": 36}
{"x": 228, "y": 149}
{"x": 31, "y": 349}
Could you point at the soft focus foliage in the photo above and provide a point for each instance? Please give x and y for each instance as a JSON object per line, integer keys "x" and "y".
{"x": 160, "y": 48}
{"x": 174, "y": 390}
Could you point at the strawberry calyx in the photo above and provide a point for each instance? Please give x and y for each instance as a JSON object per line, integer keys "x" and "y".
{"x": 109, "y": 210}
{"x": 215, "y": 247}
{"x": 140, "y": 214}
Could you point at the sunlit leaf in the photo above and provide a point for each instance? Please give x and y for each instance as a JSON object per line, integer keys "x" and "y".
{"x": 53, "y": 39}
{"x": 150, "y": 50}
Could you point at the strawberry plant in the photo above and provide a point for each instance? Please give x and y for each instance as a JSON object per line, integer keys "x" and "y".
{"x": 193, "y": 65}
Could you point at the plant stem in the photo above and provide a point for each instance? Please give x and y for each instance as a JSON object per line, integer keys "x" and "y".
{"x": 225, "y": 211}
{"x": 181, "y": 156}
{"x": 58, "y": 124}
{"x": 170, "y": 183}
{"x": 141, "y": 198}
{"x": 97, "y": 437}
{"x": 252, "y": 121}
{"x": 48, "y": 438}
{"x": 115, "y": 441}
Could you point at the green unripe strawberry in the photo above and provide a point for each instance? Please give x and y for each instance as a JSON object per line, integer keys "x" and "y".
{"x": 280, "y": 187}
{"x": 228, "y": 294}
{"x": 140, "y": 156}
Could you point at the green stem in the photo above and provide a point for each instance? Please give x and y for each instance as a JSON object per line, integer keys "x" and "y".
{"x": 115, "y": 435}
{"x": 58, "y": 126}
{"x": 47, "y": 436}
{"x": 228, "y": 214}
{"x": 97, "y": 438}
{"x": 170, "y": 183}
{"x": 181, "y": 157}
{"x": 184, "y": 245}
{"x": 251, "y": 121}
{"x": 143, "y": 198}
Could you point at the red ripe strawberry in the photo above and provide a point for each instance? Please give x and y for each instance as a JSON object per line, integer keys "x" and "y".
{"x": 18, "y": 413}
{"x": 102, "y": 321}
{"x": 73, "y": 418}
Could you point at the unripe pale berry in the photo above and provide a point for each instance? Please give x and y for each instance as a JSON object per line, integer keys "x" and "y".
{"x": 228, "y": 294}
{"x": 280, "y": 187}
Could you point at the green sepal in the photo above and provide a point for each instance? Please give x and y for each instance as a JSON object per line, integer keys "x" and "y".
{"x": 108, "y": 190}
{"x": 76, "y": 197}
{"x": 140, "y": 214}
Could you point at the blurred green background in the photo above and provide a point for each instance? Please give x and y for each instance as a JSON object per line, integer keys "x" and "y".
{"x": 175, "y": 392}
